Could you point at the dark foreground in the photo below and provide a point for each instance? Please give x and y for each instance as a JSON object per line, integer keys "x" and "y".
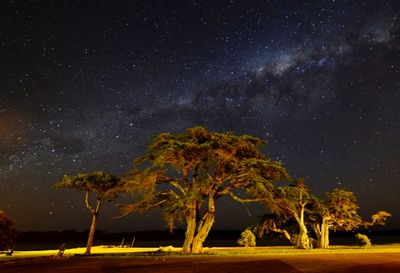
{"x": 338, "y": 263}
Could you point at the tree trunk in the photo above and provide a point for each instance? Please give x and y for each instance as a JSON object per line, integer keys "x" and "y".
{"x": 203, "y": 229}
{"x": 190, "y": 231}
{"x": 91, "y": 234}
{"x": 324, "y": 242}
{"x": 302, "y": 240}
{"x": 203, "y": 226}
{"x": 317, "y": 231}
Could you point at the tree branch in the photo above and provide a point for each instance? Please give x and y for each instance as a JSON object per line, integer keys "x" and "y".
{"x": 241, "y": 200}
{"x": 178, "y": 186}
{"x": 283, "y": 231}
{"x": 87, "y": 202}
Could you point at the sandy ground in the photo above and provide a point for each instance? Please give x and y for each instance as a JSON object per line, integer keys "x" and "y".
{"x": 274, "y": 260}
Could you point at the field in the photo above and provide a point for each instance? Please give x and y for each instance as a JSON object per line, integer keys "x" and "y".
{"x": 342, "y": 259}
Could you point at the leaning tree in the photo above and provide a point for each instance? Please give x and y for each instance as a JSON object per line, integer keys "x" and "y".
{"x": 8, "y": 233}
{"x": 187, "y": 173}
{"x": 338, "y": 211}
{"x": 103, "y": 186}
{"x": 290, "y": 202}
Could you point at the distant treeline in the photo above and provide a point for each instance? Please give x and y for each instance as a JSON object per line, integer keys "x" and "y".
{"x": 156, "y": 235}
{"x": 148, "y": 235}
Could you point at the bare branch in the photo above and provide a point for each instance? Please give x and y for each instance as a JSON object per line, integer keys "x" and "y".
{"x": 178, "y": 186}
{"x": 241, "y": 200}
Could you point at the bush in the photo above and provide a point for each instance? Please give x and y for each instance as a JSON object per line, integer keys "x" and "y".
{"x": 247, "y": 239}
{"x": 8, "y": 233}
{"x": 365, "y": 241}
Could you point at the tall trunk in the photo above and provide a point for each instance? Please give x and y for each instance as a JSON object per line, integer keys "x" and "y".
{"x": 203, "y": 230}
{"x": 95, "y": 214}
{"x": 324, "y": 242}
{"x": 204, "y": 226}
{"x": 317, "y": 231}
{"x": 190, "y": 231}
{"x": 302, "y": 240}
{"x": 91, "y": 234}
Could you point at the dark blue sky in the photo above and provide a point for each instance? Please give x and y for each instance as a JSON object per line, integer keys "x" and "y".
{"x": 85, "y": 84}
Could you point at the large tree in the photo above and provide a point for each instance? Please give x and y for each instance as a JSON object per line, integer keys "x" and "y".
{"x": 8, "y": 233}
{"x": 103, "y": 186}
{"x": 338, "y": 211}
{"x": 187, "y": 173}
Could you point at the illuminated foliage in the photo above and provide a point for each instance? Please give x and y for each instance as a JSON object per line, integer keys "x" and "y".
{"x": 247, "y": 239}
{"x": 103, "y": 186}
{"x": 338, "y": 211}
{"x": 365, "y": 241}
{"x": 187, "y": 173}
{"x": 8, "y": 233}
{"x": 379, "y": 218}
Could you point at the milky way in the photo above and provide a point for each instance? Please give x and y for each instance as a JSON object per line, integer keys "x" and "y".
{"x": 84, "y": 85}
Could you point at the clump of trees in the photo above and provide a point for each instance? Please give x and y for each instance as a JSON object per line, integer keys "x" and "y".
{"x": 186, "y": 174}
{"x": 337, "y": 211}
{"x": 103, "y": 187}
{"x": 8, "y": 232}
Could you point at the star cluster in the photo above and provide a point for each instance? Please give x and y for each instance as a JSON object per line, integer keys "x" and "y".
{"x": 84, "y": 85}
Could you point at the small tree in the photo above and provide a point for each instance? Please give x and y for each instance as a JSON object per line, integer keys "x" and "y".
{"x": 103, "y": 186}
{"x": 8, "y": 233}
{"x": 290, "y": 202}
{"x": 338, "y": 211}
{"x": 247, "y": 239}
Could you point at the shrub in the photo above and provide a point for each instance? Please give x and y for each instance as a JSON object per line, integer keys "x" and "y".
{"x": 365, "y": 241}
{"x": 247, "y": 239}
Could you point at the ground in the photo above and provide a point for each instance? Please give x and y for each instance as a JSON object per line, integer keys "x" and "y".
{"x": 379, "y": 259}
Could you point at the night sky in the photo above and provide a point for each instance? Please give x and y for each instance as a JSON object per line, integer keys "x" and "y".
{"x": 84, "y": 85}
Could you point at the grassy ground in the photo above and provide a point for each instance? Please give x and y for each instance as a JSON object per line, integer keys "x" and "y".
{"x": 342, "y": 259}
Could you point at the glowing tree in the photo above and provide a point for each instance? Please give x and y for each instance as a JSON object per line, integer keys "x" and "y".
{"x": 338, "y": 211}
{"x": 8, "y": 233}
{"x": 103, "y": 186}
{"x": 288, "y": 203}
{"x": 187, "y": 173}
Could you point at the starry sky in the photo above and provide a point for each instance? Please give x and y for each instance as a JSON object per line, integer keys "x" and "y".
{"x": 85, "y": 84}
